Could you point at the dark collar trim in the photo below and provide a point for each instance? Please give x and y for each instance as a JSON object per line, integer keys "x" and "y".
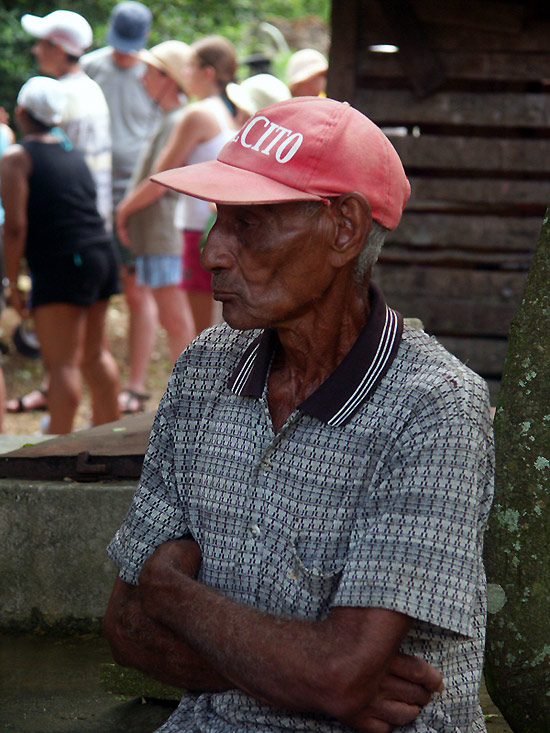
{"x": 352, "y": 382}
{"x": 385, "y": 354}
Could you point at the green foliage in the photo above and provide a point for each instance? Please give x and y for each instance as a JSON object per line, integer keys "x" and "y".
{"x": 239, "y": 20}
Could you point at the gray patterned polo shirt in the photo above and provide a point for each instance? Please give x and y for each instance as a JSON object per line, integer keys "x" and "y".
{"x": 375, "y": 492}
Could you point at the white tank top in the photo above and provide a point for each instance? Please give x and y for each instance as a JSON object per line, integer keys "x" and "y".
{"x": 192, "y": 213}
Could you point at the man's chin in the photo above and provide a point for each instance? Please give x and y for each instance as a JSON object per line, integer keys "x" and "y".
{"x": 238, "y": 320}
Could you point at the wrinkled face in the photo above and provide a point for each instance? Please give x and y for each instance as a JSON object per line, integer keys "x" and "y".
{"x": 50, "y": 57}
{"x": 269, "y": 262}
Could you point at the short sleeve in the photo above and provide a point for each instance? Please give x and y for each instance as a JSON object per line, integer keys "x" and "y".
{"x": 155, "y": 514}
{"x": 417, "y": 541}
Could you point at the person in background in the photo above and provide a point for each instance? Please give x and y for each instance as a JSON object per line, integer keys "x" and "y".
{"x": 53, "y": 223}
{"x": 62, "y": 37}
{"x": 118, "y": 70}
{"x": 254, "y": 93}
{"x": 203, "y": 129}
{"x": 306, "y": 73}
{"x": 7, "y": 138}
{"x": 154, "y": 239}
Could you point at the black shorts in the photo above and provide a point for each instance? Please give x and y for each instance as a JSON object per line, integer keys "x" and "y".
{"x": 81, "y": 278}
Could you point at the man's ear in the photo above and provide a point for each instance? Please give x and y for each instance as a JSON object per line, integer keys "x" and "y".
{"x": 352, "y": 214}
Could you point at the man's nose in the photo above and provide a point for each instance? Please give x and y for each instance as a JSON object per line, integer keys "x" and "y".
{"x": 216, "y": 254}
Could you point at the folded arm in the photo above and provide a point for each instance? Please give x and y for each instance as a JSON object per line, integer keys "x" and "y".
{"x": 346, "y": 666}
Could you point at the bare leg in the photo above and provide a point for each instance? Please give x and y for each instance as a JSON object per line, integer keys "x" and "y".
{"x": 175, "y": 317}
{"x": 99, "y": 368}
{"x": 202, "y": 305}
{"x": 142, "y": 329}
{"x": 60, "y": 328}
{"x": 2, "y": 398}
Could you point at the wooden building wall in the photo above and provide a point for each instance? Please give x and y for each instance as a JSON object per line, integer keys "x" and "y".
{"x": 470, "y": 87}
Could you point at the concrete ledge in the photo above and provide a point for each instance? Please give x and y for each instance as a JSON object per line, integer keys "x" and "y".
{"x": 54, "y": 571}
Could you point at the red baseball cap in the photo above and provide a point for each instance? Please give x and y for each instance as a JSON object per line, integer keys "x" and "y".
{"x": 303, "y": 149}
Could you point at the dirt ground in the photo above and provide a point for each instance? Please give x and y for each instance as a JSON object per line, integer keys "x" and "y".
{"x": 23, "y": 374}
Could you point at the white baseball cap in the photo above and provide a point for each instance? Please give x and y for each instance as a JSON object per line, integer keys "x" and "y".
{"x": 256, "y": 92}
{"x": 66, "y": 29}
{"x": 45, "y": 98}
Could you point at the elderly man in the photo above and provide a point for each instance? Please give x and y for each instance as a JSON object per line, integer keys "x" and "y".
{"x": 306, "y": 539}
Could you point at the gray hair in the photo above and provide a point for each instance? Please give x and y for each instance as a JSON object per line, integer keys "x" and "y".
{"x": 371, "y": 249}
{"x": 370, "y": 252}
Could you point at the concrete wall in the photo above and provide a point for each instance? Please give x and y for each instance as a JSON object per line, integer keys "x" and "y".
{"x": 54, "y": 571}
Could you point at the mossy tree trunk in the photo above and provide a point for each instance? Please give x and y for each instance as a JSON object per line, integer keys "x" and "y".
{"x": 518, "y": 538}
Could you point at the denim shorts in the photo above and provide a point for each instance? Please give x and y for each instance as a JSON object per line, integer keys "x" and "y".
{"x": 158, "y": 271}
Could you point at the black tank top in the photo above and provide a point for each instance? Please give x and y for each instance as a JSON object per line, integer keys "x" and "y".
{"x": 62, "y": 214}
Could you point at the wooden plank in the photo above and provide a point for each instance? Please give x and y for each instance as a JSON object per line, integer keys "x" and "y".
{"x": 453, "y": 302}
{"x": 481, "y": 196}
{"x": 401, "y": 107}
{"x": 417, "y": 61}
{"x": 488, "y": 15}
{"x": 460, "y": 153}
{"x": 451, "y": 316}
{"x": 342, "y": 58}
{"x": 488, "y": 193}
{"x": 486, "y": 288}
{"x": 534, "y": 36}
{"x": 457, "y": 64}
{"x": 447, "y": 257}
{"x": 484, "y": 356}
{"x": 472, "y": 232}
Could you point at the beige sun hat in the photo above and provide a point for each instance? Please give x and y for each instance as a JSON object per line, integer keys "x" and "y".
{"x": 170, "y": 57}
{"x": 304, "y": 64}
{"x": 257, "y": 91}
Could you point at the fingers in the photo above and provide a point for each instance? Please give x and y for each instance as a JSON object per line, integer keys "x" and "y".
{"x": 383, "y": 715}
{"x": 397, "y": 688}
{"x": 417, "y": 671}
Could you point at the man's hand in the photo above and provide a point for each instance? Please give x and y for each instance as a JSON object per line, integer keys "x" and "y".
{"x": 409, "y": 684}
{"x": 159, "y": 575}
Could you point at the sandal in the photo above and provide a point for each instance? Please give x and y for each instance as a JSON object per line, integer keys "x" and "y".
{"x": 130, "y": 402}
{"x": 20, "y": 404}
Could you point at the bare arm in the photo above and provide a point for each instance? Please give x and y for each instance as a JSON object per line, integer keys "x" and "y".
{"x": 194, "y": 127}
{"x": 346, "y": 666}
{"x": 137, "y": 640}
{"x": 15, "y": 169}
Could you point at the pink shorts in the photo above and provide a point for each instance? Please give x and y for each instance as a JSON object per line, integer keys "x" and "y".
{"x": 194, "y": 276}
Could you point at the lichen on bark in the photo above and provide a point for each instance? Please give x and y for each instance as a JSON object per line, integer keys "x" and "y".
{"x": 517, "y": 545}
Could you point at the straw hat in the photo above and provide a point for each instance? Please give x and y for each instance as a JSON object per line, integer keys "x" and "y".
{"x": 170, "y": 57}
{"x": 304, "y": 64}
{"x": 257, "y": 91}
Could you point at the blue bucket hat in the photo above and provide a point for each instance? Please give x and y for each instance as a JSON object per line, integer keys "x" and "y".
{"x": 129, "y": 26}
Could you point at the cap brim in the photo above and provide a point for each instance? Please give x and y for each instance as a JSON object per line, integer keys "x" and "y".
{"x": 125, "y": 45}
{"x": 226, "y": 184}
{"x": 34, "y": 25}
{"x": 239, "y": 98}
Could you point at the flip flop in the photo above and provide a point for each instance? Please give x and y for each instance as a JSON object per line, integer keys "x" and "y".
{"x": 129, "y": 396}
{"x": 21, "y": 407}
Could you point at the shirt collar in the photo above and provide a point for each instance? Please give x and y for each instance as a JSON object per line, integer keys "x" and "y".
{"x": 353, "y": 381}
